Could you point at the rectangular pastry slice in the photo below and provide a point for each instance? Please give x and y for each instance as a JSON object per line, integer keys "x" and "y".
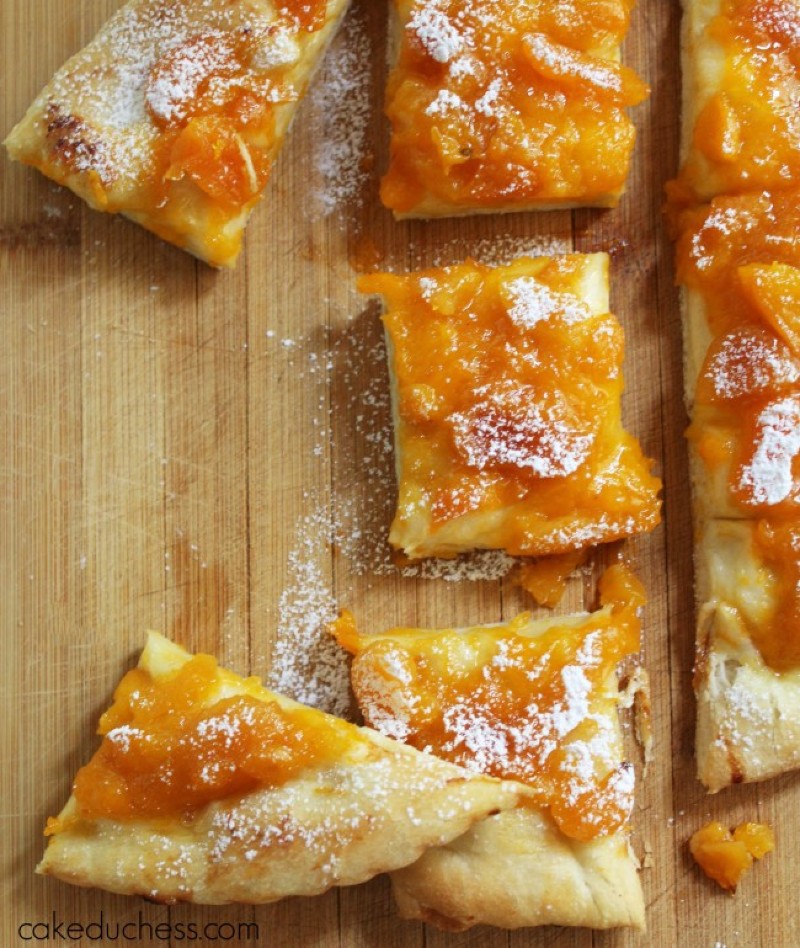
{"x": 738, "y": 262}
{"x": 174, "y": 113}
{"x": 741, "y": 80}
{"x": 735, "y": 213}
{"x": 209, "y": 788}
{"x": 497, "y": 105}
{"x": 533, "y": 701}
{"x": 506, "y": 387}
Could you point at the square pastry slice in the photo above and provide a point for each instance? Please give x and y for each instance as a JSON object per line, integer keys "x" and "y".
{"x": 741, "y": 84}
{"x": 506, "y": 387}
{"x": 175, "y": 111}
{"x": 209, "y": 788}
{"x": 533, "y": 701}
{"x": 497, "y": 105}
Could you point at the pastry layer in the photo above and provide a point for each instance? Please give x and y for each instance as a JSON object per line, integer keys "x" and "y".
{"x": 506, "y": 389}
{"x": 741, "y": 81}
{"x": 501, "y": 106}
{"x": 748, "y": 715}
{"x": 174, "y": 113}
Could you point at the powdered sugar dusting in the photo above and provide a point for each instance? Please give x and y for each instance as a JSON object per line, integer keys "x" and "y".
{"x": 445, "y": 102}
{"x": 555, "y": 60}
{"x": 106, "y": 123}
{"x": 768, "y": 476}
{"x": 307, "y": 664}
{"x": 565, "y": 714}
{"x": 497, "y": 251}
{"x": 341, "y": 110}
{"x": 748, "y": 362}
{"x": 532, "y": 302}
{"x": 437, "y": 33}
{"x": 171, "y": 91}
{"x": 520, "y": 427}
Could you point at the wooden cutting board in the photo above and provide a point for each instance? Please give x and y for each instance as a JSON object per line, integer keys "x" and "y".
{"x": 208, "y": 454}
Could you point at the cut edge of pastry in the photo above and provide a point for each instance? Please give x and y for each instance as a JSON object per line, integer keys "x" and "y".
{"x": 748, "y": 718}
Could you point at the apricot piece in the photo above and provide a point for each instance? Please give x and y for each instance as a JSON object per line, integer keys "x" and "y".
{"x": 774, "y": 291}
{"x": 725, "y": 856}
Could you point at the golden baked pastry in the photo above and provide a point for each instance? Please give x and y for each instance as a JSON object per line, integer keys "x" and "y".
{"x": 741, "y": 81}
{"x": 174, "y": 113}
{"x": 734, "y": 212}
{"x": 532, "y": 701}
{"x": 503, "y": 106}
{"x": 738, "y": 261}
{"x": 209, "y": 788}
{"x": 506, "y": 387}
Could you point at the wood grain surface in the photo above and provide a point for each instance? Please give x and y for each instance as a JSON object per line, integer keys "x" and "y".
{"x": 178, "y": 443}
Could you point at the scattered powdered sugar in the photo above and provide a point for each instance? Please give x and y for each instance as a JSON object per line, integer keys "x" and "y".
{"x": 496, "y": 251}
{"x": 445, "y": 102}
{"x": 724, "y": 223}
{"x": 341, "y": 110}
{"x": 122, "y": 736}
{"x": 437, "y": 33}
{"x": 484, "y": 741}
{"x": 171, "y": 91}
{"x": 478, "y": 732}
{"x": 391, "y": 702}
{"x": 428, "y": 286}
{"x": 532, "y": 302}
{"x": 113, "y": 135}
{"x": 279, "y": 50}
{"x": 781, "y": 22}
{"x": 768, "y": 476}
{"x": 308, "y": 664}
{"x": 568, "y": 714}
{"x": 487, "y": 102}
{"x": 557, "y": 60}
{"x": 463, "y": 66}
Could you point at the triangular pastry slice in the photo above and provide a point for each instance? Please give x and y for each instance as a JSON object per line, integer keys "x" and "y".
{"x": 532, "y": 700}
{"x": 174, "y": 113}
{"x": 209, "y": 788}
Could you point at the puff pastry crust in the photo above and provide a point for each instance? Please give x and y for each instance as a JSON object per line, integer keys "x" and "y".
{"x": 741, "y": 82}
{"x": 506, "y": 387}
{"x": 734, "y": 214}
{"x": 174, "y": 113}
{"x": 374, "y": 806}
{"x": 563, "y": 858}
{"x": 502, "y": 106}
